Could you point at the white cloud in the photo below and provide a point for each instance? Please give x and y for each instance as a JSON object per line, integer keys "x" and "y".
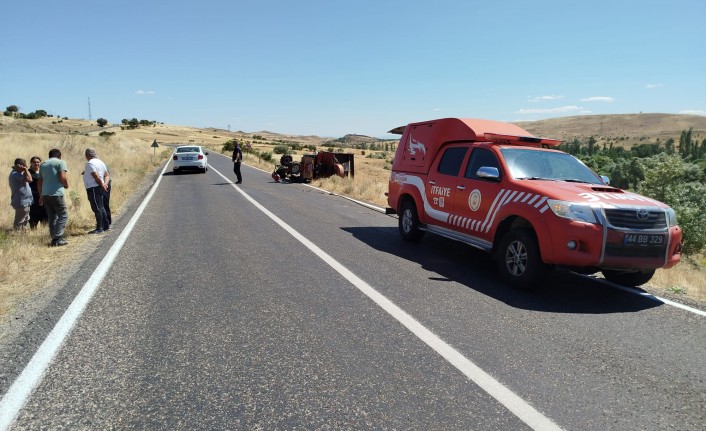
{"x": 693, "y": 112}
{"x": 544, "y": 98}
{"x": 653, "y": 85}
{"x": 142, "y": 92}
{"x": 559, "y": 110}
{"x": 598, "y": 99}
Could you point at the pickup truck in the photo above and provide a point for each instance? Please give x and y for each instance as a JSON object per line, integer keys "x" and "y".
{"x": 496, "y": 187}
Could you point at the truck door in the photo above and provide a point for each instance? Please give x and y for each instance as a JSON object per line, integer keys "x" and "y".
{"x": 477, "y": 194}
{"x": 441, "y": 182}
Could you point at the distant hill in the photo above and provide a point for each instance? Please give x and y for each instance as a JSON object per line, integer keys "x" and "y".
{"x": 623, "y": 129}
{"x": 620, "y": 129}
{"x": 352, "y": 139}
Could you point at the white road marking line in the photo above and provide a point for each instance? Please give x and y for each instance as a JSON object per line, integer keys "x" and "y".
{"x": 519, "y": 407}
{"x": 20, "y": 391}
{"x": 648, "y": 295}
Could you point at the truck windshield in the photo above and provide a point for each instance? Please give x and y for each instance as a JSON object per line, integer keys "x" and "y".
{"x": 529, "y": 164}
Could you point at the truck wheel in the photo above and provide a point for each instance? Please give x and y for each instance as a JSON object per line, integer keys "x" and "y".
{"x": 285, "y": 159}
{"x": 519, "y": 260}
{"x": 295, "y": 168}
{"x": 409, "y": 222}
{"x": 630, "y": 279}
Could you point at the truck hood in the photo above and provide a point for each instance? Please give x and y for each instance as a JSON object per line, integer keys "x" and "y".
{"x": 592, "y": 194}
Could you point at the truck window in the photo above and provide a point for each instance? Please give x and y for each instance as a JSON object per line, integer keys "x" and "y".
{"x": 481, "y": 157}
{"x": 450, "y": 163}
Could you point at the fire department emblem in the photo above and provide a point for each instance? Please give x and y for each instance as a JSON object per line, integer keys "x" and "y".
{"x": 474, "y": 200}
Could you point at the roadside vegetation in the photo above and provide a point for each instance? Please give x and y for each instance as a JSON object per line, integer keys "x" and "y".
{"x": 663, "y": 170}
{"x": 27, "y": 259}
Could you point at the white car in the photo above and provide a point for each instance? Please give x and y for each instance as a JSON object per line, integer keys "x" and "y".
{"x": 189, "y": 157}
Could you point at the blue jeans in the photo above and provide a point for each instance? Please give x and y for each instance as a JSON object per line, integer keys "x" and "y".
{"x": 95, "y": 198}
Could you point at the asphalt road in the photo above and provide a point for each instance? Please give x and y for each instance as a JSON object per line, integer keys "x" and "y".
{"x": 214, "y": 315}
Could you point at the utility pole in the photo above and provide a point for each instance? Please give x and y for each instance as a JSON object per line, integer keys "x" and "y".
{"x": 89, "y": 109}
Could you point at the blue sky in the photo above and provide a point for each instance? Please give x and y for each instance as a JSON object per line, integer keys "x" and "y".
{"x": 328, "y": 68}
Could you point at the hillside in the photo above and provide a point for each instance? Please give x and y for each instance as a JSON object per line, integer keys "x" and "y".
{"x": 623, "y": 129}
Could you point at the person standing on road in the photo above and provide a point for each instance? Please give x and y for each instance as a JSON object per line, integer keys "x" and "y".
{"x": 94, "y": 178}
{"x": 237, "y": 158}
{"x": 20, "y": 193}
{"x": 52, "y": 184}
{"x": 36, "y": 210}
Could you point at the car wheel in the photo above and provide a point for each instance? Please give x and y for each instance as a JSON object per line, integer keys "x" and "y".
{"x": 519, "y": 260}
{"x": 409, "y": 222}
{"x": 627, "y": 278}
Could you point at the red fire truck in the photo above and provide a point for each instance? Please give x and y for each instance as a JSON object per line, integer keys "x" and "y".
{"x": 496, "y": 187}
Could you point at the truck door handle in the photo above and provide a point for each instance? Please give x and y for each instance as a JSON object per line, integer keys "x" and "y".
{"x": 432, "y": 182}
{"x": 460, "y": 187}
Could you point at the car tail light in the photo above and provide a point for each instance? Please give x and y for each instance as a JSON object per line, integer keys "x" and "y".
{"x": 200, "y": 157}
{"x": 175, "y": 157}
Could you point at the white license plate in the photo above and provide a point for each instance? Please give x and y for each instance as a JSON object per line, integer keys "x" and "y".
{"x": 187, "y": 158}
{"x": 640, "y": 239}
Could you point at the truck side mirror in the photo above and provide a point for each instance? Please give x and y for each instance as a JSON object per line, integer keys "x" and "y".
{"x": 605, "y": 179}
{"x": 488, "y": 173}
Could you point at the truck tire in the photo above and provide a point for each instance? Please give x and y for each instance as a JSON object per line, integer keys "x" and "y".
{"x": 285, "y": 159}
{"x": 519, "y": 260}
{"x": 409, "y": 222}
{"x": 295, "y": 168}
{"x": 630, "y": 279}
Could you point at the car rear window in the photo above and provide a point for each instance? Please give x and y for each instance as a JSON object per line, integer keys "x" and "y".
{"x": 188, "y": 150}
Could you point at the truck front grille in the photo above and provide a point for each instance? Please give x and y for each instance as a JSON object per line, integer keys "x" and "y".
{"x": 636, "y": 218}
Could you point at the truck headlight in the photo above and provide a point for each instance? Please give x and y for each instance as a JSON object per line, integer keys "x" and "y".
{"x": 572, "y": 211}
{"x": 671, "y": 217}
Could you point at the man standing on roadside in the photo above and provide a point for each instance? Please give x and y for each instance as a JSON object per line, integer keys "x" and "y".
{"x": 36, "y": 211}
{"x": 20, "y": 193}
{"x": 52, "y": 184}
{"x": 237, "y": 158}
{"x": 94, "y": 178}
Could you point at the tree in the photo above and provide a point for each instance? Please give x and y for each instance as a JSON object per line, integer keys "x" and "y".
{"x": 685, "y": 144}
{"x": 102, "y": 122}
{"x": 677, "y": 183}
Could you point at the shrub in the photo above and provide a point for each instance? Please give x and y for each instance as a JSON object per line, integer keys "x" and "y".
{"x": 229, "y": 146}
{"x": 281, "y": 149}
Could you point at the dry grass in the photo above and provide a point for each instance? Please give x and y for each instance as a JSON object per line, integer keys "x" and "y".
{"x": 26, "y": 256}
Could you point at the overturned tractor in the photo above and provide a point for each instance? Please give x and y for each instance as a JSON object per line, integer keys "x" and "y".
{"x": 312, "y": 166}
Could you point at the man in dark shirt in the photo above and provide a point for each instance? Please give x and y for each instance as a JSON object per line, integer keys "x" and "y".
{"x": 237, "y": 158}
{"x": 36, "y": 210}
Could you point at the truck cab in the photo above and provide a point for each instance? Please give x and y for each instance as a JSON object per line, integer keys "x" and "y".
{"x": 496, "y": 187}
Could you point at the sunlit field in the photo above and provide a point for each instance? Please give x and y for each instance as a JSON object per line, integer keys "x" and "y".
{"x": 27, "y": 260}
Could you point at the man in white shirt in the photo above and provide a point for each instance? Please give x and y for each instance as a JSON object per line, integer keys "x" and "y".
{"x": 94, "y": 178}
